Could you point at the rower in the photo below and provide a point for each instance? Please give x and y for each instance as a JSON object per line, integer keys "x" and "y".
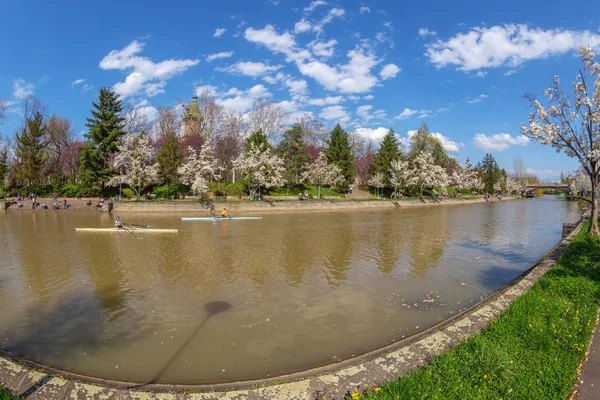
{"x": 118, "y": 223}
{"x": 224, "y": 213}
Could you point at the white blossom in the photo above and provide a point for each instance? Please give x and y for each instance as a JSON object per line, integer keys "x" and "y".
{"x": 399, "y": 174}
{"x": 424, "y": 173}
{"x": 321, "y": 173}
{"x": 465, "y": 178}
{"x": 260, "y": 169}
{"x": 581, "y": 183}
{"x": 133, "y": 160}
{"x": 199, "y": 169}
{"x": 377, "y": 181}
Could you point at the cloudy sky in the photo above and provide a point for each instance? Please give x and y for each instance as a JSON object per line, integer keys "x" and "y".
{"x": 367, "y": 65}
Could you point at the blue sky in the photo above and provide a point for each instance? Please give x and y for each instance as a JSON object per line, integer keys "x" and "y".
{"x": 369, "y": 65}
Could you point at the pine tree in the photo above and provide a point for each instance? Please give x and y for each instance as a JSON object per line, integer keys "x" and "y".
{"x": 31, "y": 148}
{"x": 169, "y": 159}
{"x": 339, "y": 152}
{"x": 258, "y": 139}
{"x": 389, "y": 151}
{"x": 105, "y": 128}
{"x": 292, "y": 150}
{"x": 424, "y": 142}
{"x": 490, "y": 171}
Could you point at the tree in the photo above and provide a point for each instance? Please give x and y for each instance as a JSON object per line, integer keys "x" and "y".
{"x": 315, "y": 132}
{"x": 321, "y": 173}
{"x": 199, "y": 168}
{"x": 31, "y": 148}
{"x": 399, "y": 174}
{"x": 260, "y": 169}
{"x": 339, "y": 153}
{"x": 268, "y": 117}
{"x": 520, "y": 171}
{"x": 424, "y": 173}
{"x": 4, "y": 167}
{"x": 512, "y": 185}
{"x": 424, "y": 142}
{"x": 105, "y": 128}
{"x": 70, "y": 160}
{"x": 573, "y": 125}
{"x": 389, "y": 152}
{"x": 465, "y": 177}
{"x": 581, "y": 184}
{"x": 169, "y": 161}
{"x": 490, "y": 172}
{"x": 59, "y": 135}
{"x": 378, "y": 182}
{"x": 259, "y": 140}
{"x": 562, "y": 177}
{"x": 134, "y": 162}
{"x": 292, "y": 150}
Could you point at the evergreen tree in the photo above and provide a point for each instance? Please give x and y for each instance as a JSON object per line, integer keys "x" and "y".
{"x": 31, "y": 148}
{"x": 424, "y": 142}
{"x": 169, "y": 159}
{"x": 3, "y": 165}
{"x": 389, "y": 151}
{"x": 292, "y": 150}
{"x": 490, "y": 172}
{"x": 105, "y": 128}
{"x": 339, "y": 153}
{"x": 562, "y": 177}
{"x": 258, "y": 139}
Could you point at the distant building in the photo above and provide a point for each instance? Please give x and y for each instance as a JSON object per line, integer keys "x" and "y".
{"x": 192, "y": 119}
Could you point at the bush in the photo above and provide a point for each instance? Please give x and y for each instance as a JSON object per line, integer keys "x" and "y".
{"x": 166, "y": 192}
{"x": 127, "y": 193}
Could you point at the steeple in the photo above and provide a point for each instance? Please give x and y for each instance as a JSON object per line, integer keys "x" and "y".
{"x": 192, "y": 117}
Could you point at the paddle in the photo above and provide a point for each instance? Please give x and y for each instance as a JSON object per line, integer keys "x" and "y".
{"x": 143, "y": 226}
{"x": 123, "y": 227}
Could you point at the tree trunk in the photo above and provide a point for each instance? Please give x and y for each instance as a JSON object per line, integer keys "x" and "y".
{"x": 593, "y": 230}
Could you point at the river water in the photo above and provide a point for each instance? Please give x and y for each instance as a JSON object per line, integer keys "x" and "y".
{"x": 241, "y": 300}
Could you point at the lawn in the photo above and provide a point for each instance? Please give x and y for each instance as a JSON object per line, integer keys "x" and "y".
{"x": 532, "y": 351}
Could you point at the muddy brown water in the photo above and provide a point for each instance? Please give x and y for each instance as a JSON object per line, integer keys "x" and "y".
{"x": 239, "y": 300}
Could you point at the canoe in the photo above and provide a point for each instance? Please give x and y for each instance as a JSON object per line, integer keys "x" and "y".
{"x": 217, "y": 218}
{"x": 136, "y": 230}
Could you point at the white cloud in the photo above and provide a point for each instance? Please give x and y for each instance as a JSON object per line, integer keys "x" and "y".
{"x": 219, "y": 32}
{"x": 22, "y": 89}
{"x": 250, "y": 68}
{"x": 146, "y": 76}
{"x": 149, "y": 113}
{"x": 326, "y": 101}
{"x": 369, "y": 97}
{"x": 389, "y": 71}
{"x": 335, "y": 113}
{"x": 426, "y": 32}
{"x": 365, "y": 9}
{"x": 406, "y": 113}
{"x": 477, "y": 99}
{"x": 481, "y": 74}
{"x": 314, "y": 5}
{"x": 216, "y": 56}
{"x": 372, "y": 134}
{"x": 297, "y": 87}
{"x": 506, "y": 45}
{"x": 268, "y": 37}
{"x": 86, "y": 87}
{"x": 77, "y": 82}
{"x": 498, "y": 142}
{"x": 323, "y": 49}
{"x": 208, "y": 89}
{"x": 354, "y": 98}
{"x": 448, "y": 144}
{"x": 289, "y": 106}
{"x": 364, "y": 112}
{"x": 425, "y": 114}
{"x": 302, "y": 26}
{"x": 329, "y": 17}
{"x": 297, "y": 115}
{"x": 510, "y": 72}
{"x": 353, "y": 77}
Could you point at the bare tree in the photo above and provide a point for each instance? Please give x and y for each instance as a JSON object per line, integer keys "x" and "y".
{"x": 59, "y": 135}
{"x": 520, "y": 171}
{"x": 268, "y": 117}
{"x": 136, "y": 121}
{"x": 211, "y": 116}
{"x": 315, "y": 131}
{"x": 2, "y": 110}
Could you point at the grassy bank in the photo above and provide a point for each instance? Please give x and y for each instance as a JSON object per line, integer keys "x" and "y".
{"x": 4, "y": 395}
{"x": 532, "y": 351}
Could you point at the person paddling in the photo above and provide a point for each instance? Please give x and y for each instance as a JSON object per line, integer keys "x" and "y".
{"x": 225, "y": 214}
{"x": 118, "y": 223}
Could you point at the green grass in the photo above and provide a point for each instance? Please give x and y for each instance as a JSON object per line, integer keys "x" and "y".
{"x": 531, "y": 352}
{"x": 5, "y": 395}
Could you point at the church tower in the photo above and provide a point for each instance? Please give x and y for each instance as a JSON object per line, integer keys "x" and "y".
{"x": 192, "y": 118}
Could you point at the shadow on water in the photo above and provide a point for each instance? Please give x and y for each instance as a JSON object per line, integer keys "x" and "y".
{"x": 212, "y": 308}
{"x": 517, "y": 256}
{"x": 495, "y": 277}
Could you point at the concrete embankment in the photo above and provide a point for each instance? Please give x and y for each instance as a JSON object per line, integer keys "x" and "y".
{"x": 270, "y": 206}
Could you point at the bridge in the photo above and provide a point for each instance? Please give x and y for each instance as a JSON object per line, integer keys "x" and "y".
{"x": 556, "y": 186}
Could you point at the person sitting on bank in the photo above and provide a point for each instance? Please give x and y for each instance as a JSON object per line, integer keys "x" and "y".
{"x": 89, "y": 203}
{"x": 44, "y": 206}
{"x": 225, "y": 214}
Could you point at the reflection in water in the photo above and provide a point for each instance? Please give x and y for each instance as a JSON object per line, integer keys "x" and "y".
{"x": 308, "y": 288}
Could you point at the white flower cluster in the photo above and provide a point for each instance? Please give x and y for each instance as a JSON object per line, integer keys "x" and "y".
{"x": 260, "y": 169}
{"x": 321, "y": 173}
{"x": 199, "y": 169}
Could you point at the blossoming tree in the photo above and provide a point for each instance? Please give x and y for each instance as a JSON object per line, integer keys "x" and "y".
{"x": 424, "y": 173}
{"x": 464, "y": 178}
{"x": 260, "y": 168}
{"x": 321, "y": 173}
{"x": 133, "y": 160}
{"x": 378, "y": 182}
{"x": 581, "y": 183}
{"x": 572, "y": 125}
{"x": 399, "y": 174}
{"x": 199, "y": 168}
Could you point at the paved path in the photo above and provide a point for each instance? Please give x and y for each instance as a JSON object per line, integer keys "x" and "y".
{"x": 589, "y": 378}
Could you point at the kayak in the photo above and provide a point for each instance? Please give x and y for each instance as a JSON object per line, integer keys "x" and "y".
{"x": 217, "y": 218}
{"x": 126, "y": 229}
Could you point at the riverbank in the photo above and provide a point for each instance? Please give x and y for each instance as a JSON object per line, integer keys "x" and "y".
{"x": 533, "y": 351}
{"x": 271, "y": 205}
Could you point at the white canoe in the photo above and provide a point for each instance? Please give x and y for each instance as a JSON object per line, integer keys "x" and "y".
{"x": 217, "y": 218}
{"x": 136, "y": 230}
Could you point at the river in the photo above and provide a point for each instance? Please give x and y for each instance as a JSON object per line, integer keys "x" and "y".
{"x": 238, "y": 300}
